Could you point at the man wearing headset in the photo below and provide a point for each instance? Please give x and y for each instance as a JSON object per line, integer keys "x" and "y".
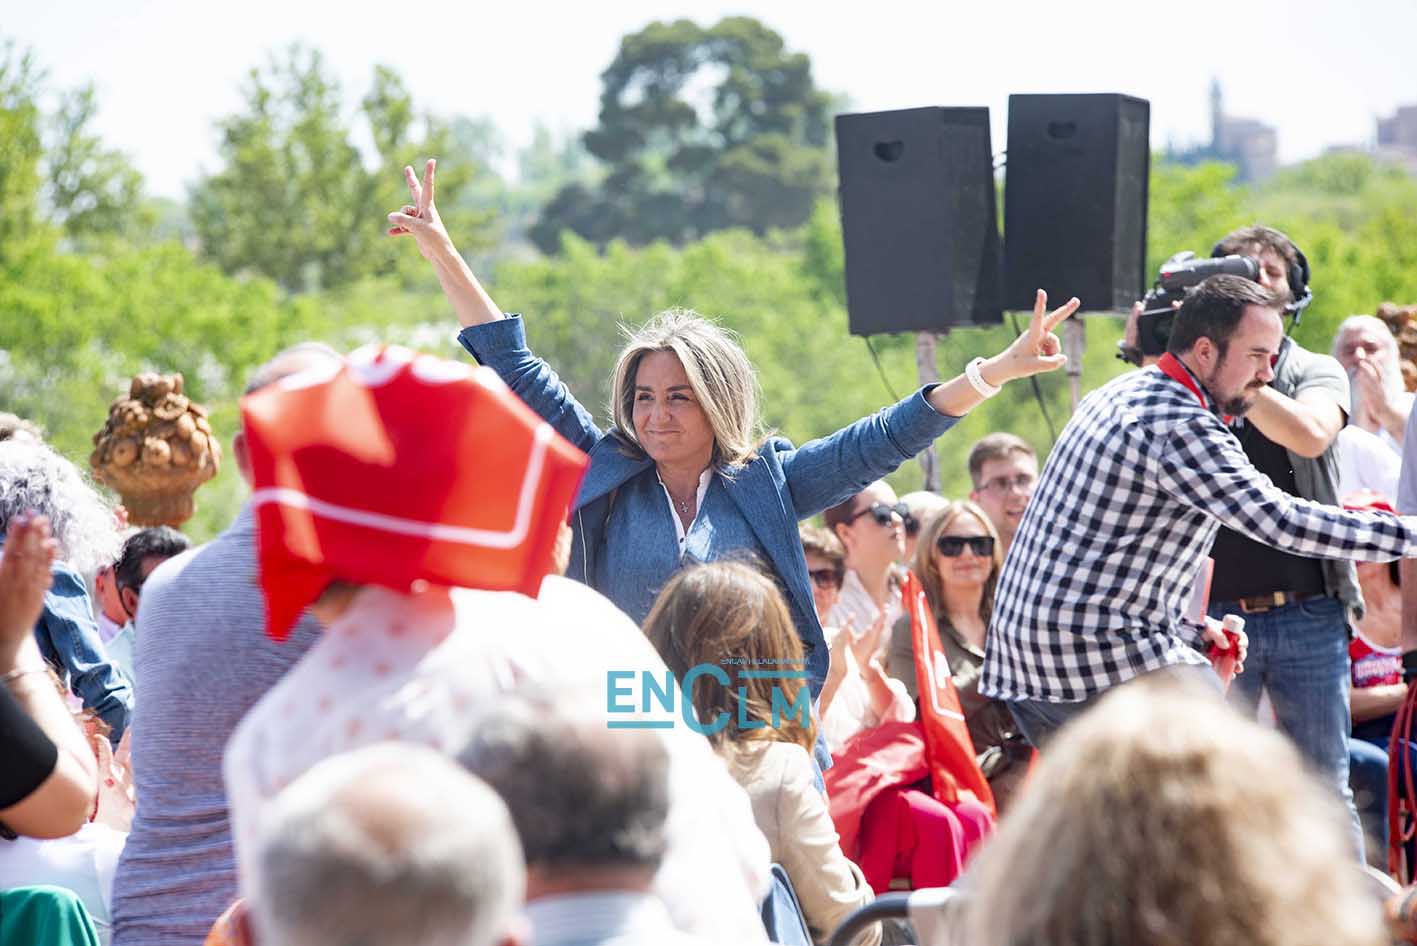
{"x": 1296, "y": 609}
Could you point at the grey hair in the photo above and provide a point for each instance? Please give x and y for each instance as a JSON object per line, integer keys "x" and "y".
{"x": 581, "y": 795}
{"x": 391, "y": 843}
{"x": 1163, "y": 816}
{"x": 1391, "y": 365}
{"x": 33, "y": 478}
{"x": 720, "y": 374}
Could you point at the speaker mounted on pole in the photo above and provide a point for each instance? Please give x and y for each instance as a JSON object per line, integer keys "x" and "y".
{"x": 919, "y": 219}
{"x": 1075, "y": 199}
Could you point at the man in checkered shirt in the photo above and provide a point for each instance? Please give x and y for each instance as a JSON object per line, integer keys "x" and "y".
{"x": 1141, "y": 479}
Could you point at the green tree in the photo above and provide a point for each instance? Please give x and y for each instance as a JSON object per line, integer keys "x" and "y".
{"x": 295, "y": 200}
{"x": 699, "y": 130}
{"x": 20, "y": 146}
{"x": 54, "y": 170}
{"x": 92, "y": 191}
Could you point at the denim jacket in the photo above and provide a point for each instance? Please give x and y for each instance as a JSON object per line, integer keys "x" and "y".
{"x": 782, "y": 486}
{"x": 68, "y": 640}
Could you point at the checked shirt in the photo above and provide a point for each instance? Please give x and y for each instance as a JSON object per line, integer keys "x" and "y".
{"x": 1097, "y": 580}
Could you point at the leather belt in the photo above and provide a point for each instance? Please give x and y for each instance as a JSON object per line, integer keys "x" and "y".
{"x": 1259, "y": 604}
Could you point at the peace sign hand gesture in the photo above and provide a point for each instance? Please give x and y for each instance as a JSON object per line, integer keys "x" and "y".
{"x": 1037, "y": 350}
{"x": 420, "y": 218}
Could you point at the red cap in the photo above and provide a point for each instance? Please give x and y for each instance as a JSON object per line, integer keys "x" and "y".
{"x": 390, "y": 468}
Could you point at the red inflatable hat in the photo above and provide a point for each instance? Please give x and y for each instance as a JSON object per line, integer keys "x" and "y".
{"x": 391, "y": 468}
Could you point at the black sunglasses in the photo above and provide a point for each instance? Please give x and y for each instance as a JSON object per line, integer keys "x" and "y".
{"x": 883, "y": 514}
{"x": 825, "y": 578}
{"x": 952, "y": 546}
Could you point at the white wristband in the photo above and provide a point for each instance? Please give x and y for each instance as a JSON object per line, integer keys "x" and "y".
{"x": 976, "y": 380}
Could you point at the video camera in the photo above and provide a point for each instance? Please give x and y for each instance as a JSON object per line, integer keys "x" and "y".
{"x": 1178, "y": 275}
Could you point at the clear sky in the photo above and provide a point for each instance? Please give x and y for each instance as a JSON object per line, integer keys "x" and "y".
{"x": 1320, "y": 71}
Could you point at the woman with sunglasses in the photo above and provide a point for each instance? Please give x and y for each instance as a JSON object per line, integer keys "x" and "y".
{"x": 686, "y": 472}
{"x": 871, "y": 528}
{"x": 957, "y": 561}
{"x": 858, "y": 694}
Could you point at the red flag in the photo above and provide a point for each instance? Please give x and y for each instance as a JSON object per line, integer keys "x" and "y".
{"x": 391, "y": 468}
{"x": 954, "y": 770}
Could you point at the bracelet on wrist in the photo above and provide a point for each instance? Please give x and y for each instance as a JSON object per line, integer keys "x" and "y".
{"x": 976, "y": 379}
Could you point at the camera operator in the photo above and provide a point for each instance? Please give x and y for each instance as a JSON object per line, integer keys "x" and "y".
{"x": 1129, "y": 503}
{"x": 1296, "y": 607}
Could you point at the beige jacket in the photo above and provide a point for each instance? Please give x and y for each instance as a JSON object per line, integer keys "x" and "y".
{"x": 792, "y": 814}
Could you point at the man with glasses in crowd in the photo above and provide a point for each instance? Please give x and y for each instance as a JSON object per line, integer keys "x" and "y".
{"x": 1004, "y": 470}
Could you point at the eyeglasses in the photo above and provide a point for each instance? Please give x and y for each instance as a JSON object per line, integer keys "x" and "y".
{"x": 1023, "y": 483}
{"x": 827, "y": 578}
{"x": 952, "y": 546}
{"x": 883, "y": 514}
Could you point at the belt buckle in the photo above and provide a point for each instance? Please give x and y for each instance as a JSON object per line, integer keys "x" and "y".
{"x": 1264, "y": 603}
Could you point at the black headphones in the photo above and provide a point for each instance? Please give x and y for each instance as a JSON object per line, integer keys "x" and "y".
{"x": 1299, "y": 292}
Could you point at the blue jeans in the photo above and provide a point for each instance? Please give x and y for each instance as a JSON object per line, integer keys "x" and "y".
{"x": 1299, "y": 655}
{"x": 1368, "y": 768}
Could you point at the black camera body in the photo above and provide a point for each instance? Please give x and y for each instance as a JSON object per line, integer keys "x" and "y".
{"x": 1178, "y": 275}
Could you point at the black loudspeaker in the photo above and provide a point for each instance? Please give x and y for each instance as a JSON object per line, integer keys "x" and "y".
{"x": 1075, "y": 199}
{"x": 919, "y": 219}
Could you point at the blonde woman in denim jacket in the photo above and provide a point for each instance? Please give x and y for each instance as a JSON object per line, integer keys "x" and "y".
{"x": 685, "y": 473}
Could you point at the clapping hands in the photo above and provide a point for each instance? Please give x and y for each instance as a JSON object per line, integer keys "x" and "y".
{"x": 24, "y": 578}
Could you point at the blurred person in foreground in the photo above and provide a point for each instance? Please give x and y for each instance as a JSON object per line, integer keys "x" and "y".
{"x": 709, "y": 621}
{"x": 590, "y": 806}
{"x": 1164, "y": 817}
{"x": 204, "y": 658}
{"x": 403, "y": 494}
{"x": 1004, "y": 471}
{"x": 686, "y": 473}
{"x": 35, "y": 479}
{"x": 392, "y": 843}
{"x": 48, "y": 780}
{"x": 958, "y": 563}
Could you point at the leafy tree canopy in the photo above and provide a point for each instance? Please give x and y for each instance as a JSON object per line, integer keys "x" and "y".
{"x": 296, "y": 199}
{"x": 700, "y": 129}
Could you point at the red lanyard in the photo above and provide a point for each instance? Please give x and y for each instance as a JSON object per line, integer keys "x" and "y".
{"x": 1173, "y": 369}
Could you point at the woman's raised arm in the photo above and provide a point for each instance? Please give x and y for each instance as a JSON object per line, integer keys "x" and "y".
{"x": 420, "y": 218}
{"x": 1035, "y": 351}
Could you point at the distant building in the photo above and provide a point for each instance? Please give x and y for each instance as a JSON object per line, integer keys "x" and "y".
{"x": 1397, "y": 137}
{"x": 1249, "y": 144}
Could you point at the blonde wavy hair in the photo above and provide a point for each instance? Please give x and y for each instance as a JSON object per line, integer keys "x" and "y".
{"x": 720, "y": 374}
{"x": 928, "y": 571}
{"x": 1162, "y": 817}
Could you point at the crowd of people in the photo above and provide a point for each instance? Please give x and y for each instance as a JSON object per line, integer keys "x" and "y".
{"x": 387, "y": 704}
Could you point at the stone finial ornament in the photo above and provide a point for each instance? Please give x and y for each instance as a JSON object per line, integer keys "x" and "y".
{"x": 155, "y": 450}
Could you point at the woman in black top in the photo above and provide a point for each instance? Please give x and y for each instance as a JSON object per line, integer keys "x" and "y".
{"x": 48, "y": 776}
